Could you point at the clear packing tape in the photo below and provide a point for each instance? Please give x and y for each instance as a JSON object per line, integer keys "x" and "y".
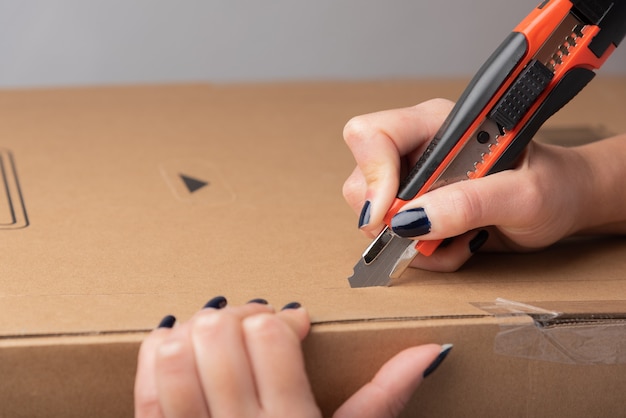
{"x": 565, "y": 332}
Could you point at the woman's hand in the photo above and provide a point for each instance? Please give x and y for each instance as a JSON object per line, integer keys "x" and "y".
{"x": 552, "y": 192}
{"x": 246, "y": 361}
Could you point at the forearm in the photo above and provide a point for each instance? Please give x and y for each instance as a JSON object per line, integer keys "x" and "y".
{"x": 603, "y": 208}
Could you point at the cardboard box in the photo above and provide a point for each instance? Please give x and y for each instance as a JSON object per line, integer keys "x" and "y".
{"x": 124, "y": 204}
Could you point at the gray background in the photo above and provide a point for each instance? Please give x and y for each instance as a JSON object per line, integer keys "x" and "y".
{"x": 77, "y": 42}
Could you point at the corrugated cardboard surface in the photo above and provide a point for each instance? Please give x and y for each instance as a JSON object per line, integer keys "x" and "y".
{"x": 115, "y": 241}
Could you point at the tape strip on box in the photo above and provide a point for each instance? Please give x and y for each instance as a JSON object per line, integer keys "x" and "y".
{"x": 579, "y": 333}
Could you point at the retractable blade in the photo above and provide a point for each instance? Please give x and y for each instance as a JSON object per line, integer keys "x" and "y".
{"x": 386, "y": 258}
{"x": 547, "y": 59}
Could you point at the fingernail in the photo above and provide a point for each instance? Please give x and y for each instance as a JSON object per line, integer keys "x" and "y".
{"x": 364, "y": 218}
{"x": 167, "y": 322}
{"x": 258, "y": 300}
{"x": 445, "y": 350}
{"x": 292, "y": 305}
{"x": 478, "y": 241}
{"x": 410, "y": 223}
{"x": 217, "y": 302}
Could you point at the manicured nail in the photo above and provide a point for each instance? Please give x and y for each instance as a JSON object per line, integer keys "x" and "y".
{"x": 445, "y": 350}
{"x": 364, "y": 218}
{"x": 478, "y": 241}
{"x": 292, "y": 305}
{"x": 217, "y": 302}
{"x": 167, "y": 322}
{"x": 258, "y": 300}
{"x": 410, "y": 223}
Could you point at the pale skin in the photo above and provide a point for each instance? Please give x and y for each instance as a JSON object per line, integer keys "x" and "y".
{"x": 552, "y": 193}
{"x": 246, "y": 361}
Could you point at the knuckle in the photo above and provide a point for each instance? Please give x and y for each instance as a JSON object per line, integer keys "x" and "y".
{"x": 171, "y": 350}
{"x": 264, "y": 326}
{"x": 353, "y": 190}
{"x": 375, "y": 177}
{"x": 355, "y": 129}
{"x": 261, "y": 324}
{"x": 171, "y": 357}
{"x": 212, "y": 323}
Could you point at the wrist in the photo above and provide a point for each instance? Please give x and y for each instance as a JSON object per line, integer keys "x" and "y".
{"x": 602, "y": 201}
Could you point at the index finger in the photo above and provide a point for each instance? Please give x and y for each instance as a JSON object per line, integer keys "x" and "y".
{"x": 379, "y": 140}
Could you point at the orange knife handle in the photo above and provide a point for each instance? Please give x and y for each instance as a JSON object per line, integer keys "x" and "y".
{"x": 427, "y": 248}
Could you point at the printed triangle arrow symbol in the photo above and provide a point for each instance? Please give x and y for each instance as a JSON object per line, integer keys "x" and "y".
{"x": 193, "y": 184}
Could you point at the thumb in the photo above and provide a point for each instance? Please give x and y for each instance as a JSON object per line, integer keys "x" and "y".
{"x": 529, "y": 204}
{"x": 511, "y": 201}
{"x": 390, "y": 390}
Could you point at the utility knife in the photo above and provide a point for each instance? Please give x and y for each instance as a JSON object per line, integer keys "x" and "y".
{"x": 538, "y": 68}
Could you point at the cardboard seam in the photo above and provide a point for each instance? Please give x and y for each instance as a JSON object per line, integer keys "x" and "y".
{"x": 74, "y": 334}
{"x": 314, "y": 323}
{"x": 400, "y": 319}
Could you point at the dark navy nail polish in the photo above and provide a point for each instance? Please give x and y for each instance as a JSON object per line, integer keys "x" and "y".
{"x": 258, "y": 300}
{"x": 364, "y": 218}
{"x": 410, "y": 223}
{"x": 478, "y": 241}
{"x": 445, "y": 350}
{"x": 217, "y": 302}
{"x": 292, "y": 305}
{"x": 167, "y": 322}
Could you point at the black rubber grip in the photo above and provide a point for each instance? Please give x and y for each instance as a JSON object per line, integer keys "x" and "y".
{"x": 565, "y": 90}
{"x": 592, "y": 11}
{"x": 522, "y": 94}
{"x": 609, "y": 15}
